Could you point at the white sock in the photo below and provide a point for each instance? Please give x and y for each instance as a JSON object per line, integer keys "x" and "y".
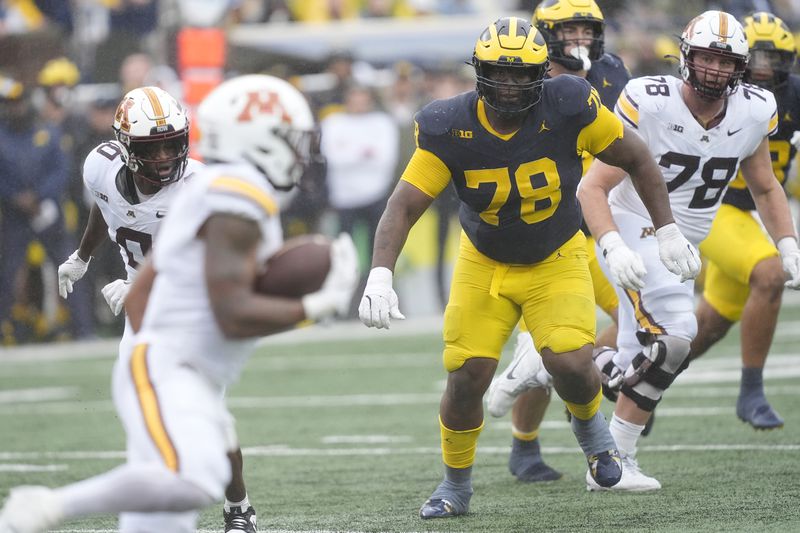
{"x": 140, "y": 489}
{"x": 625, "y": 434}
{"x": 244, "y": 504}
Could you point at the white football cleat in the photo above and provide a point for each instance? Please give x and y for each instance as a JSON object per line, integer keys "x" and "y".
{"x": 30, "y": 509}
{"x": 633, "y": 479}
{"x": 525, "y": 372}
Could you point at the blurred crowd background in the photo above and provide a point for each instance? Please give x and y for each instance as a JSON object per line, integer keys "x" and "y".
{"x": 366, "y": 66}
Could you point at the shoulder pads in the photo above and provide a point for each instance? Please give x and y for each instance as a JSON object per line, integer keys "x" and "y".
{"x": 566, "y": 93}
{"x": 437, "y": 117}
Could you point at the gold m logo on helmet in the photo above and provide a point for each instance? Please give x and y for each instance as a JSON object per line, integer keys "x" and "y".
{"x": 264, "y": 103}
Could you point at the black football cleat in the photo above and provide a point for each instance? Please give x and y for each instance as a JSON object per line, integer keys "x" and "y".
{"x": 238, "y": 521}
{"x": 605, "y": 468}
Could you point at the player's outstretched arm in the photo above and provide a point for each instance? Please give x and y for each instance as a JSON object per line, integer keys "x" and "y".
{"x": 380, "y": 304}
{"x": 95, "y": 233}
{"x": 74, "y": 268}
{"x": 773, "y": 208}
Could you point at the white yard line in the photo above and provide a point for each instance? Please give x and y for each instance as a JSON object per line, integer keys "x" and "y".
{"x": 40, "y": 394}
{"x": 19, "y": 467}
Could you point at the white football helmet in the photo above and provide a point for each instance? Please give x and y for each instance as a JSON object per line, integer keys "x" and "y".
{"x": 719, "y": 33}
{"x": 153, "y": 129}
{"x": 261, "y": 120}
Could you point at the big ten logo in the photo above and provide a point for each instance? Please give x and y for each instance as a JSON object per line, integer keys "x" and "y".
{"x": 461, "y": 134}
{"x": 263, "y": 103}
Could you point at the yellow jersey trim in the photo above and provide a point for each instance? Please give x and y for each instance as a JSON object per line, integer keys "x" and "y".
{"x": 148, "y": 402}
{"x": 627, "y": 109}
{"x": 600, "y": 133}
{"x": 484, "y": 120}
{"x": 243, "y": 188}
{"x": 643, "y": 317}
{"x": 773, "y": 123}
{"x": 427, "y": 172}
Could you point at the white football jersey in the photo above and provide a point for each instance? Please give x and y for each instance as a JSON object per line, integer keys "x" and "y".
{"x": 178, "y": 310}
{"x": 132, "y": 222}
{"x": 697, "y": 164}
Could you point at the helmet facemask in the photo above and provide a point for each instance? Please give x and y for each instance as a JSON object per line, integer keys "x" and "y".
{"x": 285, "y": 158}
{"x": 159, "y": 159}
{"x": 769, "y": 68}
{"x": 509, "y": 97}
{"x": 772, "y": 50}
{"x": 711, "y": 83}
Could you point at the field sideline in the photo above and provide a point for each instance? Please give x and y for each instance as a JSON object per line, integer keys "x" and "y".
{"x": 338, "y": 426}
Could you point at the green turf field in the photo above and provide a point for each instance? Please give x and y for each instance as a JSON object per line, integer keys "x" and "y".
{"x": 340, "y": 434}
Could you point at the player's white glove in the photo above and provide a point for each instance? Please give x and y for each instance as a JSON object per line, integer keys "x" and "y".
{"x": 795, "y": 140}
{"x": 71, "y": 271}
{"x": 790, "y": 257}
{"x": 340, "y": 284}
{"x": 115, "y": 294}
{"x": 677, "y": 253}
{"x": 379, "y": 305}
{"x": 626, "y": 266}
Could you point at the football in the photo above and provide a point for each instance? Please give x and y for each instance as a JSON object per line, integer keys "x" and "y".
{"x": 298, "y": 268}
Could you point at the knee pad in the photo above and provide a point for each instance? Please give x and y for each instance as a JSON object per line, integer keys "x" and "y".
{"x": 654, "y": 369}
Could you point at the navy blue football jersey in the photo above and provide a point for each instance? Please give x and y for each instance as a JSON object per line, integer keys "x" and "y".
{"x": 517, "y": 191}
{"x": 609, "y": 76}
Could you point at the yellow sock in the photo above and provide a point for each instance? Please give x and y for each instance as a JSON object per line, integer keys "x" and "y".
{"x": 585, "y": 411}
{"x": 458, "y": 447}
{"x": 521, "y": 435}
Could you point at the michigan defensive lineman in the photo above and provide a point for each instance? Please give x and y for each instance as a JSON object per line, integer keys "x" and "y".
{"x": 701, "y": 130}
{"x": 744, "y": 279}
{"x": 513, "y": 151}
{"x": 202, "y": 318}
{"x": 574, "y": 31}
